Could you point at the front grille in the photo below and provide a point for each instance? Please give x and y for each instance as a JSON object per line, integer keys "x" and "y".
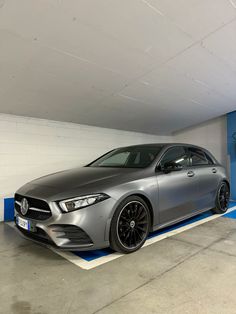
{"x": 72, "y": 233}
{"x": 38, "y": 209}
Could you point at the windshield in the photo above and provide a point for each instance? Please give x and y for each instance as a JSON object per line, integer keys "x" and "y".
{"x": 128, "y": 157}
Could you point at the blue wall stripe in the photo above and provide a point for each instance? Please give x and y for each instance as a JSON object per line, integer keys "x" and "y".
{"x": 231, "y": 143}
{"x": 9, "y": 209}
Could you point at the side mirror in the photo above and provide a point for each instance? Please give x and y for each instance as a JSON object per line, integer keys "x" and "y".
{"x": 171, "y": 166}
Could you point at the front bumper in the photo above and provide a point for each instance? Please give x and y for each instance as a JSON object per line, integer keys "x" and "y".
{"x": 84, "y": 229}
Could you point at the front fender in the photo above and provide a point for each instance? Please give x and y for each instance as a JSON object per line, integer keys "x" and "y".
{"x": 148, "y": 191}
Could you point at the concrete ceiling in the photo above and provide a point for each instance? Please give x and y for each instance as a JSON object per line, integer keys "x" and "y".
{"x": 154, "y": 66}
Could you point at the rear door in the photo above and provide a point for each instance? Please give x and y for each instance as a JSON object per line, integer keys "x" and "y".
{"x": 178, "y": 190}
{"x": 206, "y": 172}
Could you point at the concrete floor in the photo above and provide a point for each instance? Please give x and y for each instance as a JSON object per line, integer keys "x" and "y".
{"x": 192, "y": 272}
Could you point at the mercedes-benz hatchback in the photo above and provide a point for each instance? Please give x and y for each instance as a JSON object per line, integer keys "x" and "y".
{"x": 119, "y": 198}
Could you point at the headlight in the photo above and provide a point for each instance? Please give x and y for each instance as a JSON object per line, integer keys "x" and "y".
{"x": 82, "y": 201}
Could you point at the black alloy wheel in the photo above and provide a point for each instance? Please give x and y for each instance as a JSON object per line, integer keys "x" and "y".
{"x": 130, "y": 225}
{"x": 222, "y": 199}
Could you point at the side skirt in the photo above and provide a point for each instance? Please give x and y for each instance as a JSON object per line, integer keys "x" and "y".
{"x": 173, "y": 222}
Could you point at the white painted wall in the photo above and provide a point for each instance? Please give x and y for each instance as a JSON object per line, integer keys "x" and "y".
{"x": 211, "y": 134}
{"x": 30, "y": 148}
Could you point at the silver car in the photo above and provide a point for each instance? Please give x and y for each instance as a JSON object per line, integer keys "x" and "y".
{"x": 118, "y": 199}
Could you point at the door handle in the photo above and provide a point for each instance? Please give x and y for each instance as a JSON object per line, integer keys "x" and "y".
{"x": 214, "y": 170}
{"x": 190, "y": 174}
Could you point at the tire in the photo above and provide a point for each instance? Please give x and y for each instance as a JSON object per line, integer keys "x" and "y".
{"x": 222, "y": 198}
{"x": 130, "y": 225}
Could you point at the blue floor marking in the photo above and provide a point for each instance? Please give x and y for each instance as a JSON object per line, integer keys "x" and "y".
{"x": 232, "y": 204}
{"x": 231, "y": 215}
{"x": 93, "y": 255}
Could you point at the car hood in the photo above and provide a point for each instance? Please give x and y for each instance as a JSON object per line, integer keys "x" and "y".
{"x": 79, "y": 179}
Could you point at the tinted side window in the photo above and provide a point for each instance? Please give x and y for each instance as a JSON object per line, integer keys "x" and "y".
{"x": 198, "y": 157}
{"x": 176, "y": 155}
{"x": 210, "y": 161}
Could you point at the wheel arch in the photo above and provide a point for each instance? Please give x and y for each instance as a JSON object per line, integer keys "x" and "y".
{"x": 135, "y": 193}
{"x": 217, "y": 208}
{"x": 222, "y": 181}
{"x": 114, "y": 240}
{"x": 227, "y": 182}
{"x": 149, "y": 204}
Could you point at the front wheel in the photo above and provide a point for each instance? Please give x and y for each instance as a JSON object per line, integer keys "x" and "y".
{"x": 130, "y": 225}
{"x": 222, "y": 198}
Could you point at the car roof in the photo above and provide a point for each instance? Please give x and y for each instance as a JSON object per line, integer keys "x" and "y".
{"x": 163, "y": 145}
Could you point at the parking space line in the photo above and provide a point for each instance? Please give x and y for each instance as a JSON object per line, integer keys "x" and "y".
{"x": 91, "y": 259}
{"x": 82, "y": 263}
{"x": 90, "y": 264}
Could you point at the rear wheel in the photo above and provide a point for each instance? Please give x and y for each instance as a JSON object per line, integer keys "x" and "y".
{"x": 222, "y": 198}
{"x": 130, "y": 225}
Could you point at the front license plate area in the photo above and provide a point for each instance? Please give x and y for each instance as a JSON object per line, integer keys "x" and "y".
{"x": 25, "y": 224}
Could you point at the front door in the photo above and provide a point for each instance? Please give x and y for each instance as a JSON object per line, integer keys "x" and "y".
{"x": 178, "y": 190}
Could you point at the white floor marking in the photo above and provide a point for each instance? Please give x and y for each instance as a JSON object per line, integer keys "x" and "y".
{"x": 82, "y": 263}
{"x": 78, "y": 261}
{"x": 87, "y": 265}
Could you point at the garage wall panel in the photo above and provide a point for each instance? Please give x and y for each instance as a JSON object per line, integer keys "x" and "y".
{"x": 30, "y": 148}
{"x": 211, "y": 134}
